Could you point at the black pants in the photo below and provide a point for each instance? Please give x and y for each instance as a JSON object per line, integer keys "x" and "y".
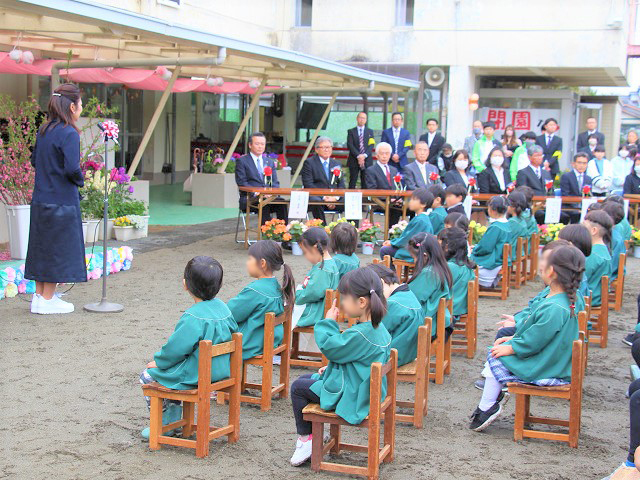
{"x": 634, "y": 418}
{"x": 635, "y": 349}
{"x": 280, "y": 211}
{"x": 564, "y": 217}
{"x": 354, "y": 171}
{"x": 301, "y": 396}
{"x": 506, "y": 332}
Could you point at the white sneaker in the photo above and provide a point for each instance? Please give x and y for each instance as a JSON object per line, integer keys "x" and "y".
{"x": 55, "y": 305}
{"x": 35, "y": 303}
{"x": 302, "y": 453}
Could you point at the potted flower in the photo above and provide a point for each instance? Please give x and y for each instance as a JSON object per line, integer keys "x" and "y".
{"x": 396, "y": 230}
{"x": 314, "y": 222}
{"x": 212, "y": 187}
{"x": 123, "y": 228}
{"x": 329, "y": 228}
{"x": 276, "y": 230}
{"x": 434, "y": 177}
{"x": 477, "y": 230}
{"x": 368, "y": 232}
{"x": 635, "y": 241}
{"x": 336, "y": 174}
{"x": 549, "y": 233}
{"x": 296, "y": 228}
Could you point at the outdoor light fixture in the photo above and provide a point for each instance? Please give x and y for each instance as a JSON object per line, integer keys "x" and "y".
{"x": 473, "y": 101}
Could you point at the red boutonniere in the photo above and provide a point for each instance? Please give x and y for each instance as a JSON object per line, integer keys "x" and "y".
{"x": 268, "y": 172}
{"x": 472, "y": 183}
{"x": 336, "y": 173}
{"x": 434, "y": 177}
{"x": 397, "y": 180}
{"x": 549, "y": 184}
{"x": 511, "y": 187}
{"x": 586, "y": 191}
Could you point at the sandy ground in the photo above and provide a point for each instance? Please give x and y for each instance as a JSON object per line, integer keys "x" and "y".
{"x": 71, "y": 405}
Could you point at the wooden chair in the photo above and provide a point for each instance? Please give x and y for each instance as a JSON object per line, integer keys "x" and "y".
{"x": 584, "y": 328}
{"x": 502, "y": 290}
{"x": 417, "y": 372}
{"x": 439, "y": 348}
{"x": 617, "y": 286}
{"x": 381, "y": 410}
{"x": 266, "y": 387}
{"x": 296, "y": 353}
{"x": 386, "y": 261}
{"x": 599, "y": 316}
{"x": 404, "y": 269}
{"x": 201, "y": 397}
{"x": 518, "y": 274}
{"x": 533, "y": 255}
{"x": 571, "y": 392}
{"x": 465, "y": 334}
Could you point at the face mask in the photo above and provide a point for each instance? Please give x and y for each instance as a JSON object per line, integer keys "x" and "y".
{"x": 593, "y": 143}
{"x": 637, "y": 169}
{"x": 477, "y": 131}
{"x": 497, "y": 161}
{"x": 529, "y": 142}
{"x": 462, "y": 164}
{"x": 623, "y": 153}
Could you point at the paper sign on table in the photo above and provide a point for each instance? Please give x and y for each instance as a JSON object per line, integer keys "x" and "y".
{"x": 553, "y": 207}
{"x": 585, "y": 205}
{"x": 353, "y": 205}
{"x": 299, "y": 204}
{"x": 626, "y": 207}
{"x": 467, "y": 206}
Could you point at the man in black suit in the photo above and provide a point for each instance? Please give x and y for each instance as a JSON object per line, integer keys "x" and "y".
{"x": 434, "y": 140}
{"x": 571, "y": 183}
{"x": 360, "y": 143}
{"x": 319, "y": 172}
{"x": 250, "y": 173}
{"x": 550, "y": 143}
{"x": 592, "y": 129}
{"x": 535, "y": 176}
{"x": 380, "y": 176}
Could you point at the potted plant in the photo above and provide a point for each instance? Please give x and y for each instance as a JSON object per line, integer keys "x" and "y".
{"x": 368, "y": 232}
{"x": 329, "y": 228}
{"x": 549, "y": 233}
{"x": 296, "y": 228}
{"x": 123, "y": 228}
{"x": 635, "y": 240}
{"x": 396, "y": 230}
{"x": 276, "y": 230}
{"x": 212, "y": 187}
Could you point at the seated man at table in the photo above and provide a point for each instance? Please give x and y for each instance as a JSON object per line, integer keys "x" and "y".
{"x": 418, "y": 174}
{"x": 319, "y": 171}
{"x": 572, "y": 183}
{"x": 536, "y": 177}
{"x": 381, "y": 176}
{"x": 250, "y": 172}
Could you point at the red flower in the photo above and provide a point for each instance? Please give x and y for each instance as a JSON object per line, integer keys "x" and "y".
{"x": 397, "y": 178}
{"x": 472, "y": 182}
{"x": 511, "y": 187}
{"x": 434, "y": 176}
{"x": 549, "y": 184}
{"x": 586, "y": 189}
{"x": 267, "y": 171}
{"x": 337, "y": 172}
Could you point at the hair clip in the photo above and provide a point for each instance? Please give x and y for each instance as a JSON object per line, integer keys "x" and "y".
{"x": 56, "y": 94}
{"x": 372, "y": 291}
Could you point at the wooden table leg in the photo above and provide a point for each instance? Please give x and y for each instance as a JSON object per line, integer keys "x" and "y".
{"x": 259, "y": 214}
{"x": 387, "y": 210}
{"x": 246, "y": 221}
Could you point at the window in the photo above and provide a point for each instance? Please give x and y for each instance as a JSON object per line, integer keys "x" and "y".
{"x": 303, "y": 13}
{"x": 404, "y": 13}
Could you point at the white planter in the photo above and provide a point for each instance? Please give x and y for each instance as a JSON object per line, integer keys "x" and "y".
{"x": 18, "y": 219}
{"x": 636, "y": 252}
{"x": 214, "y": 190}
{"x": 109, "y": 229}
{"x": 144, "y": 231}
{"x": 84, "y": 232}
{"x": 140, "y": 191}
{"x": 295, "y": 248}
{"x": 92, "y": 231}
{"x": 124, "y": 234}
{"x": 367, "y": 248}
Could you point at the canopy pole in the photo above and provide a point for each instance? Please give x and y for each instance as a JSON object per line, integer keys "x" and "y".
{"x": 154, "y": 120}
{"x": 315, "y": 135}
{"x": 254, "y": 103}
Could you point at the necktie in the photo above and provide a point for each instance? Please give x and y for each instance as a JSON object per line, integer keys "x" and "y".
{"x": 423, "y": 171}
{"x": 580, "y": 181}
{"x": 325, "y": 164}
{"x": 538, "y": 172}
{"x": 396, "y": 135}
{"x": 549, "y": 137}
{"x": 386, "y": 168}
{"x": 260, "y": 168}
{"x": 361, "y": 138}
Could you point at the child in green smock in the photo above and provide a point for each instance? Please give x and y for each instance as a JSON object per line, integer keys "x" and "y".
{"x": 175, "y": 365}
{"x": 263, "y": 295}
{"x": 438, "y": 211}
{"x": 419, "y": 203}
{"x": 616, "y": 212}
{"x": 404, "y": 314}
{"x": 455, "y": 247}
{"x": 599, "y": 224}
{"x": 487, "y": 253}
{"x": 431, "y": 279}
{"x": 517, "y": 205}
{"x": 580, "y": 237}
{"x": 343, "y": 244}
{"x": 623, "y": 226}
{"x": 527, "y": 215}
{"x": 323, "y": 276}
{"x": 540, "y": 350}
{"x": 343, "y": 385}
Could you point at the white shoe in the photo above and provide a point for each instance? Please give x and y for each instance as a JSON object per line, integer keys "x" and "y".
{"x": 302, "y": 453}
{"x": 55, "y": 305}
{"x": 35, "y": 303}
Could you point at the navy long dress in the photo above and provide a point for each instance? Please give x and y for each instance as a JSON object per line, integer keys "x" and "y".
{"x": 56, "y": 245}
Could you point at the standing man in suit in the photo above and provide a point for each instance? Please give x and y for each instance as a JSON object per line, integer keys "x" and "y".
{"x": 360, "y": 143}
{"x": 571, "y": 183}
{"x": 471, "y": 140}
{"x": 535, "y": 176}
{"x": 380, "y": 177}
{"x": 418, "y": 174}
{"x": 250, "y": 173}
{"x": 400, "y": 140}
{"x": 592, "y": 129}
{"x": 551, "y": 145}
{"x": 317, "y": 172}
{"x": 435, "y": 141}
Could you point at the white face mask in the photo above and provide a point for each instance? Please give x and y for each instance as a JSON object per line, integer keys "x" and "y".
{"x": 462, "y": 164}
{"x": 497, "y": 161}
{"x": 593, "y": 143}
{"x": 623, "y": 153}
{"x": 637, "y": 169}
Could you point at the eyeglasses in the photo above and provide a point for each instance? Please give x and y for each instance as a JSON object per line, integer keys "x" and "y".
{"x": 325, "y": 147}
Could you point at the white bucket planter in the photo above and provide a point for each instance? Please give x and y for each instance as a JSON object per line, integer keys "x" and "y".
{"x": 18, "y": 219}
{"x": 92, "y": 231}
{"x": 214, "y": 190}
{"x": 84, "y": 231}
{"x": 295, "y": 248}
{"x": 636, "y": 251}
{"x": 367, "y": 248}
{"x": 143, "y": 231}
{"x": 124, "y": 234}
{"x": 109, "y": 229}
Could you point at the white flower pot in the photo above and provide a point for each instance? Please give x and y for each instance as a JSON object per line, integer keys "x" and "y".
{"x": 92, "y": 231}
{"x": 18, "y": 219}
{"x": 636, "y": 251}
{"x": 124, "y": 234}
{"x": 84, "y": 232}
{"x": 214, "y": 190}
{"x": 367, "y": 248}
{"x": 109, "y": 229}
{"x": 295, "y": 248}
{"x": 143, "y": 231}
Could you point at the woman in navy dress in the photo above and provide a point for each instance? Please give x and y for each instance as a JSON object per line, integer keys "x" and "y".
{"x": 56, "y": 245}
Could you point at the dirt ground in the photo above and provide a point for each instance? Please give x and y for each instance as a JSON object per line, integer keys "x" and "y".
{"x": 71, "y": 405}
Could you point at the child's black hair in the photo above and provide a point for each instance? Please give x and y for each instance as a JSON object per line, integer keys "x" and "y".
{"x": 457, "y": 189}
{"x": 457, "y": 219}
{"x": 578, "y": 235}
{"x": 455, "y": 246}
{"x": 551, "y": 246}
{"x": 518, "y": 201}
{"x": 615, "y": 211}
{"x": 498, "y": 204}
{"x": 386, "y": 274}
{"x": 568, "y": 263}
{"x": 615, "y": 198}
{"x": 604, "y": 223}
{"x": 271, "y": 253}
{"x": 344, "y": 239}
{"x": 317, "y": 238}
{"x": 203, "y": 277}
{"x": 527, "y": 192}
{"x": 595, "y": 206}
{"x": 364, "y": 282}
{"x": 423, "y": 196}
{"x": 438, "y": 192}
{"x": 599, "y": 148}
{"x": 426, "y": 251}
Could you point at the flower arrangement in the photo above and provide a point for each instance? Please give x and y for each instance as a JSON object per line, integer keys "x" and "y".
{"x": 276, "y": 230}
{"x": 635, "y": 237}
{"x": 122, "y": 222}
{"x": 434, "y": 177}
{"x": 586, "y": 190}
{"x": 296, "y": 228}
{"x": 368, "y": 231}
{"x": 214, "y": 160}
{"x": 329, "y": 228}
{"x": 336, "y": 174}
{"x": 549, "y": 233}
{"x": 477, "y": 230}
{"x": 314, "y": 222}
{"x": 549, "y": 185}
{"x": 396, "y": 230}
{"x": 268, "y": 175}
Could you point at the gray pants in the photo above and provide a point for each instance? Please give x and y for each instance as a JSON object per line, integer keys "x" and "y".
{"x": 145, "y": 379}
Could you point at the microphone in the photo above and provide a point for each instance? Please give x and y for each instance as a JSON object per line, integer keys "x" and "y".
{"x": 109, "y": 131}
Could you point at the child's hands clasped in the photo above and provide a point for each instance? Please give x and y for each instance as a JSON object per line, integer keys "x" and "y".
{"x": 507, "y": 321}
{"x": 333, "y": 311}
{"x": 501, "y": 340}
{"x": 501, "y": 350}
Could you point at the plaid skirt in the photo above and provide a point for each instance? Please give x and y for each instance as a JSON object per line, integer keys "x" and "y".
{"x": 503, "y": 375}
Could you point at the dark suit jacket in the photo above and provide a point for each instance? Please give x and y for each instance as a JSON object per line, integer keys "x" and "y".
{"x": 457, "y": 209}
{"x": 434, "y": 148}
{"x": 353, "y": 144}
{"x": 588, "y": 151}
{"x": 583, "y": 139}
{"x": 452, "y": 177}
{"x": 313, "y": 174}
{"x": 377, "y": 180}
{"x": 569, "y": 184}
{"x": 404, "y": 144}
{"x": 488, "y": 182}
{"x": 413, "y": 178}
{"x": 528, "y": 177}
{"x": 247, "y": 175}
{"x": 556, "y": 144}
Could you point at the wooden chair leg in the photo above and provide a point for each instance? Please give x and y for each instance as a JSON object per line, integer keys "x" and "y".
{"x": 267, "y": 384}
{"x": 155, "y": 428}
{"x": 389, "y": 435}
{"x": 574, "y": 420}
{"x": 285, "y": 367}
{"x": 188, "y": 416}
{"x": 317, "y": 431}
{"x": 447, "y": 356}
{"x": 295, "y": 344}
{"x": 419, "y": 406}
{"x": 335, "y": 434}
{"x": 440, "y": 361}
{"x": 518, "y": 424}
{"x": 234, "y": 414}
{"x": 373, "y": 458}
{"x": 202, "y": 428}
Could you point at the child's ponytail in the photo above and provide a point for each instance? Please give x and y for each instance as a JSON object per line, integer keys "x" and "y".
{"x": 364, "y": 282}
{"x": 288, "y": 286}
{"x": 427, "y": 252}
{"x": 604, "y": 222}
{"x": 377, "y": 307}
{"x": 271, "y": 253}
{"x": 568, "y": 264}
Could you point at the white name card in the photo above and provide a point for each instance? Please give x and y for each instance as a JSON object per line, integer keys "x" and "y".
{"x": 626, "y": 207}
{"x": 467, "y": 206}
{"x": 585, "y": 205}
{"x": 553, "y": 207}
{"x": 298, "y": 205}
{"x": 353, "y": 205}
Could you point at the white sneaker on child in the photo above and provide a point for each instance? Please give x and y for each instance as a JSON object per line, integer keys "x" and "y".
{"x": 55, "y": 305}
{"x": 35, "y": 303}
{"x": 302, "y": 453}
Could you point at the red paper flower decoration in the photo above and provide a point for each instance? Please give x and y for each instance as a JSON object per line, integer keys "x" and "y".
{"x": 472, "y": 182}
{"x": 111, "y": 129}
{"x": 434, "y": 176}
{"x": 397, "y": 178}
{"x": 337, "y": 172}
{"x": 511, "y": 187}
{"x": 549, "y": 184}
{"x": 586, "y": 189}
{"x": 267, "y": 171}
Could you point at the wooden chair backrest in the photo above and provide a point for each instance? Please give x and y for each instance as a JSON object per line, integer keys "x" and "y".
{"x": 470, "y": 236}
{"x": 329, "y": 297}
{"x": 472, "y": 298}
{"x": 577, "y": 367}
{"x": 442, "y": 308}
{"x": 378, "y": 371}
{"x": 519, "y": 247}
{"x": 271, "y": 322}
{"x": 207, "y": 352}
{"x": 506, "y": 255}
{"x": 604, "y": 293}
{"x": 424, "y": 344}
{"x": 386, "y": 261}
{"x": 587, "y": 305}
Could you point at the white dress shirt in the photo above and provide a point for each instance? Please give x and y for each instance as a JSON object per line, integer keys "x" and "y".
{"x": 430, "y": 137}
{"x": 423, "y": 170}
{"x": 500, "y": 176}
{"x": 259, "y": 163}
